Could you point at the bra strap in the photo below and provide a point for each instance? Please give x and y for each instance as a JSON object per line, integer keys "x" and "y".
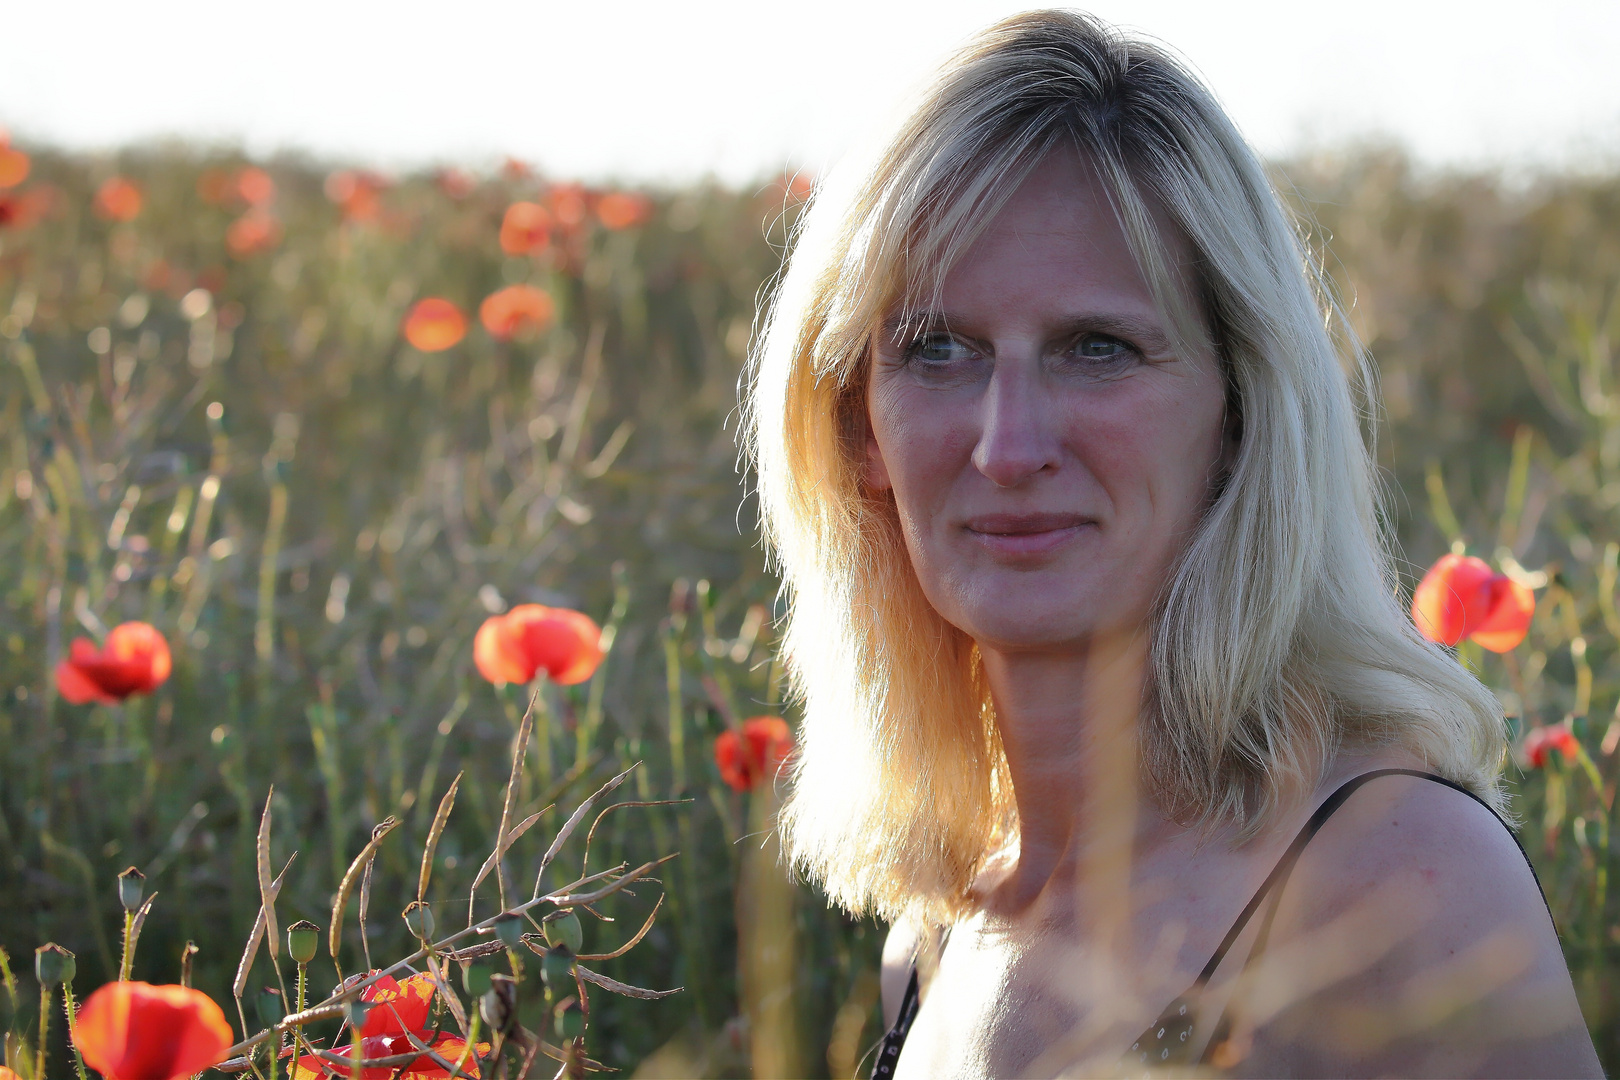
{"x": 1285, "y": 865}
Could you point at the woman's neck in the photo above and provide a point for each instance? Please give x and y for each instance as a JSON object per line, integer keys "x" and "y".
{"x": 1068, "y": 724}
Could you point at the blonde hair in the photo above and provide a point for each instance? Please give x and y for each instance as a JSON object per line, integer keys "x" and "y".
{"x": 1280, "y": 636}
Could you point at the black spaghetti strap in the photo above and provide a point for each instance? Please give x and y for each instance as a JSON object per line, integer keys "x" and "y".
{"x": 889, "y": 1050}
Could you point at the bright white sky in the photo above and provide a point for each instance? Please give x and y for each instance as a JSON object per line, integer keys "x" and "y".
{"x": 665, "y": 90}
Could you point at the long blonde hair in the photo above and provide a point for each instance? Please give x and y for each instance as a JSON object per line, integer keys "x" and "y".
{"x": 1280, "y": 636}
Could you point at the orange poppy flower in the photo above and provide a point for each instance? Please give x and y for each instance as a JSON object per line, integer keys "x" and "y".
{"x": 525, "y": 229}
{"x": 137, "y": 1031}
{"x": 118, "y": 200}
{"x": 135, "y": 660}
{"x": 357, "y": 193}
{"x": 1461, "y": 597}
{"x": 568, "y": 204}
{"x": 14, "y": 165}
{"x": 253, "y": 232}
{"x": 7, "y": 1074}
{"x": 754, "y": 754}
{"x": 214, "y": 186}
{"x": 435, "y": 324}
{"x": 623, "y": 210}
{"x": 22, "y": 209}
{"x": 513, "y": 648}
{"x": 516, "y": 309}
{"x": 1544, "y": 739}
{"x": 397, "y": 1008}
{"x": 254, "y": 185}
{"x": 456, "y": 183}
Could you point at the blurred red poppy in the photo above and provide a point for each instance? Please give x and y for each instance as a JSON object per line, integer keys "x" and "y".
{"x": 435, "y": 324}
{"x": 137, "y": 1031}
{"x": 513, "y": 648}
{"x": 515, "y": 310}
{"x": 399, "y": 1010}
{"x": 1544, "y": 739}
{"x": 525, "y": 229}
{"x": 516, "y": 170}
{"x": 253, "y": 232}
{"x": 456, "y": 183}
{"x": 214, "y": 186}
{"x": 22, "y": 209}
{"x": 356, "y": 193}
{"x": 254, "y": 185}
{"x": 14, "y": 164}
{"x": 118, "y": 200}
{"x": 135, "y": 660}
{"x": 1461, "y": 597}
{"x": 623, "y": 210}
{"x": 568, "y": 203}
{"x": 755, "y": 754}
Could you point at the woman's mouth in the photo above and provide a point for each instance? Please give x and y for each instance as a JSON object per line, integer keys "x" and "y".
{"x": 1014, "y": 535}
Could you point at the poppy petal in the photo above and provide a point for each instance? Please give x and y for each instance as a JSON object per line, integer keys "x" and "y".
{"x": 1512, "y": 606}
{"x": 1452, "y": 599}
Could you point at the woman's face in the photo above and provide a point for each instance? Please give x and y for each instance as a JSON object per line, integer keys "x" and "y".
{"x": 1049, "y": 451}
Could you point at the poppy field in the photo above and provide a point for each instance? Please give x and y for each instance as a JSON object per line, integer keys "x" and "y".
{"x": 371, "y": 546}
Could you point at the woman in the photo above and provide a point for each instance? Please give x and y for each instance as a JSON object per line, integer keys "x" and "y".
{"x": 1109, "y": 700}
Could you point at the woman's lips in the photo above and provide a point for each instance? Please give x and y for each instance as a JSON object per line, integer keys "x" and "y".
{"x": 1026, "y": 534}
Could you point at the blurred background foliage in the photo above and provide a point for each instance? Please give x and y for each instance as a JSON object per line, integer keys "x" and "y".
{"x": 232, "y": 440}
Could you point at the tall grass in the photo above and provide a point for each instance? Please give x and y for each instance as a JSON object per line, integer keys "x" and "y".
{"x": 319, "y": 517}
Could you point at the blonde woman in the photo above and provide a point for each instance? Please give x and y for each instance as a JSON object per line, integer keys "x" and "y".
{"x": 1110, "y": 704}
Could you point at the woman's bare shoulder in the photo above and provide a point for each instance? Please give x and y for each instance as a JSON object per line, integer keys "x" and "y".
{"x": 1412, "y": 939}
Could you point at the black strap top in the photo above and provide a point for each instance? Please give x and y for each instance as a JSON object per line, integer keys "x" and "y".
{"x": 1166, "y": 1042}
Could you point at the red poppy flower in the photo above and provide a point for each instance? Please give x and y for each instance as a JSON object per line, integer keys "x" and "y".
{"x": 135, "y": 660}
{"x": 1543, "y": 740}
{"x": 755, "y": 754}
{"x": 512, "y": 648}
{"x": 1460, "y": 597}
{"x": 22, "y": 209}
{"x": 357, "y": 193}
{"x": 214, "y": 186}
{"x": 137, "y": 1031}
{"x": 568, "y": 204}
{"x": 435, "y": 324}
{"x": 118, "y": 200}
{"x": 623, "y": 210}
{"x": 254, "y": 185}
{"x": 253, "y": 232}
{"x": 397, "y": 1008}
{"x": 525, "y": 229}
{"x": 456, "y": 183}
{"x": 14, "y": 165}
{"x": 516, "y": 309}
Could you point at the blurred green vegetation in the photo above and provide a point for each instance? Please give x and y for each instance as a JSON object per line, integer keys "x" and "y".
{"x": 319, "y": 516}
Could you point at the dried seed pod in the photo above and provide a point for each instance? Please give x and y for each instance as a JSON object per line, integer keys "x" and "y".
{"x": 303, "y": 939}
{"x": 419, "y": 920}
{"x": 498, "y": 1006}
{"x": 131, "y": 889}
{"x": 54, "y": 965}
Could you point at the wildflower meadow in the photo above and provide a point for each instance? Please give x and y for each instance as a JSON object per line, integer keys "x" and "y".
{"x": 388, "y": 681}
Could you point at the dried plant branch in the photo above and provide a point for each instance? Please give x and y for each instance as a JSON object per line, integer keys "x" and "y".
{"x": 626, "y": 989}
{"x": 590, "y": 898}
{"x": 573, "y": 823}
{"x": 436, "y": 830}
{"x": 334, "y": 935}
{"x": 633, "y": 942}
{"x": 519, "y": 749}
{"x": 267, "y": 898}
{"x": 495, "y": 857}
{"x": 255, "y": 937}
{"x": 606, "y": 810}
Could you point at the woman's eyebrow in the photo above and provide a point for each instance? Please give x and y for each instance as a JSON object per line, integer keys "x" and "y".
{"x": 1147, "y": 335}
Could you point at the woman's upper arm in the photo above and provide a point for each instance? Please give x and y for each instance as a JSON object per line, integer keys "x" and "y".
{"x": 1413, "y": 940}
{"x": 899, "y": 952}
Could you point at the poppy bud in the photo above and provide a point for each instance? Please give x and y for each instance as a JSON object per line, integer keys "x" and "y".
{"x": 303, "y": 938}
{"x": 131, "y": 888}
{"x": 557, "y": 970}
{"x": 475, "y": 978}
{"x": 270, "y": 1009}
{"x": 562, "y": 928}
{"x": 53, "y": 965}
{"x": 509, "y": 928}
{"x": 498, "y": 1006}
{"x": 570, "y": 1019}
{"x": 419, "y": 920}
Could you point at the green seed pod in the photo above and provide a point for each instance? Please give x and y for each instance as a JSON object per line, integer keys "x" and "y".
{"x": 131, "y": 889}
{"x": 509, "y": 928}
{"x": 475, "y": 978}
{"x": 419, "y": 920}
{"x": 563, "y": 928}
{"x": 303, "y": 939}
{"x": 570, "y": 1020}
{"x": 270, "y": 1007}
{"x": 557, "y": 970}
{"x": 54, "y": 965}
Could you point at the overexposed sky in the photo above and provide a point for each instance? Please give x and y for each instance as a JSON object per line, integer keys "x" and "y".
{"x": 669, "y": 90}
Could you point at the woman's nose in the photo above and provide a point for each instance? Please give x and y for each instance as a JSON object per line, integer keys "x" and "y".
{"x": 1016, "y": 440}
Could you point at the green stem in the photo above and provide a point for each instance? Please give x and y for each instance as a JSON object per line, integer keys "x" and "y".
{"x": 44, "y": 1031}
{"x": 71, "y": 1007}
{"x": 128, "y": 959}
{"x": 295, "y": 1035}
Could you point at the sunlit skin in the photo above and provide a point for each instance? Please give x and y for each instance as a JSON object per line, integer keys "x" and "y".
{"x": 1049, "y": 451}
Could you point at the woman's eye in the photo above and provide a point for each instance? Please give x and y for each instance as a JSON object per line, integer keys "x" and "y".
{"x": 937, "y": 349}
{"x": 1102, "y": 347}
